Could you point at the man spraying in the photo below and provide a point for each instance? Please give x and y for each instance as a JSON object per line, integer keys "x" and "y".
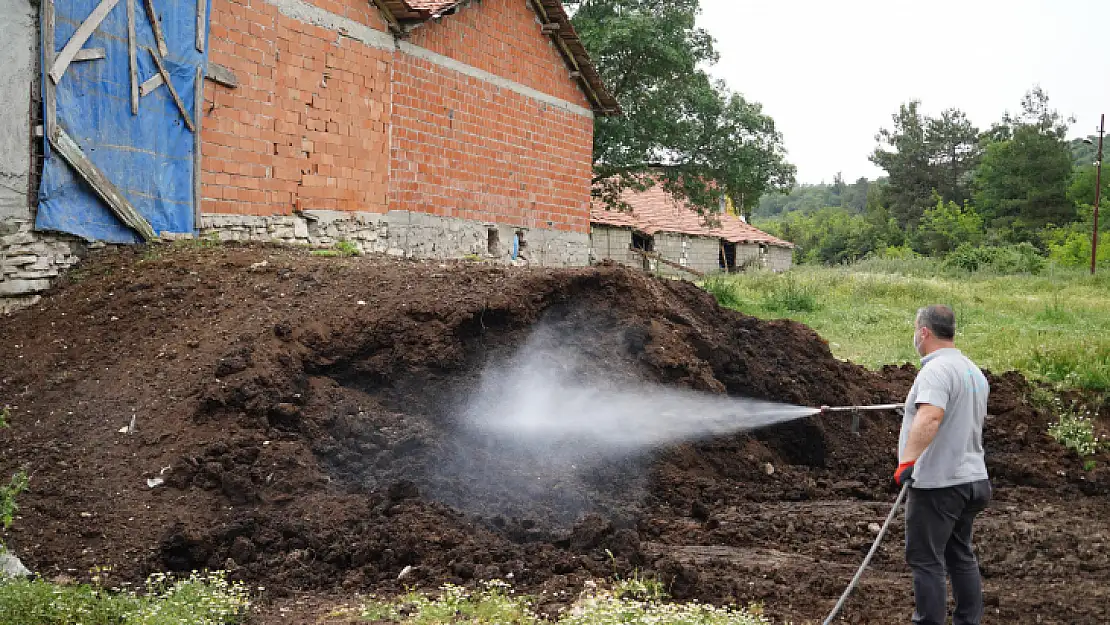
{"x": 940, "y": 455}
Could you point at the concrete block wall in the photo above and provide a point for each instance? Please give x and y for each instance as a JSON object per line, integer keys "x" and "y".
{"x": 778, "y": 258}
{"x": 698, "y": 253}
{"x": 608, "y": 243}
{"x": 19, "y": 32}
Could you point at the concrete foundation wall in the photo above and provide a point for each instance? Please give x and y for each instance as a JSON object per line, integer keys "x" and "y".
{"x": 405, "y": 234}
{"x": 19, "y": 34}
{"x": 607, "y": 243}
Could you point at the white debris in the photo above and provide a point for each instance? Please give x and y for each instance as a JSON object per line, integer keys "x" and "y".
{"x": 405, "y": 572}
{"x": 154, "y": 482}
{"x": 10, "y": 566}
{"x": 769, "y": 469}
{"x": 874, "y": 528}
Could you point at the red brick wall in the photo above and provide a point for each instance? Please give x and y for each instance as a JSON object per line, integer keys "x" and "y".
{"x": 503, "y": 38}
{"x": 455, "y": 154}
{"x": 309, "y": 126}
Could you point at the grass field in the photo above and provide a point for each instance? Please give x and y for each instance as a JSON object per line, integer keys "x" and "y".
{"x": 1053, "y": 327}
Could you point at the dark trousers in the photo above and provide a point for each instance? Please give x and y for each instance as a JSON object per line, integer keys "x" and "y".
{"x": 938, "y": 542}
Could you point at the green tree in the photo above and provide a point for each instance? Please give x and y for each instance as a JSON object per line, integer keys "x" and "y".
{"x": 924, "y": 156}
{"x": 1082, "y": 189}
{"x": 904, "y": 155}
{"x": 954, "y": 151}
{"x": 1022, "y": 182}
{"x": 679, "y": 128}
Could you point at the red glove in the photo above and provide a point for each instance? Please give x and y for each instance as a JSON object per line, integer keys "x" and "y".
{"x": 904, "y": 473}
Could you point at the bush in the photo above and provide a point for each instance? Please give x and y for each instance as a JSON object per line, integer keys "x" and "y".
{"x": 947, "y": 227}
{"x": 1007, "y": 259}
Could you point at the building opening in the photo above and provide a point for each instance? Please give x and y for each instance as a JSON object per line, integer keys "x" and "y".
{"x": 643, "y": 242}
{"x": 493, "y": 241}
{"x": 728, "y": 256}
{"x": 520, "y": 246}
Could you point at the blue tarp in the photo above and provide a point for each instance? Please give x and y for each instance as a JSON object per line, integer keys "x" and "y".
{"x": 148, "y": 156}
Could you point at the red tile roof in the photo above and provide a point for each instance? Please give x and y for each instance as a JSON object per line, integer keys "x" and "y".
{"x": 655, "y": 210}
{"x": 564, "y": 36}
{"x": 432, "y": 6}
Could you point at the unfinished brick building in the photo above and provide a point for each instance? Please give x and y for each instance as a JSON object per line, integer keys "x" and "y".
{"x": 412, "y": 127}
{"x": 423, "y": 128}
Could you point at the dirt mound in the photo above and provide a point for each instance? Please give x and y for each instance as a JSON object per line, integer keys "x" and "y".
{"x": 303, "y": 413}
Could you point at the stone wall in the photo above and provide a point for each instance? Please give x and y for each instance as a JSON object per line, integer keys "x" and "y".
{"x": 30, "y": 260}
{"x": 405, "y": 234}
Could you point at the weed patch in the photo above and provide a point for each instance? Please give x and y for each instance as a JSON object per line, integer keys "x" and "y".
{"x": 1051, "y": 327}
{"x": 632, "y": 602}
{"x": 201, "y": 599}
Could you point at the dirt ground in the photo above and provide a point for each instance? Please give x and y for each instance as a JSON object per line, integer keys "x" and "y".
{"x": 303, "y": 413}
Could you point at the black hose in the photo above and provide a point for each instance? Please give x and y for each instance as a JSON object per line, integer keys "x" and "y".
{"x": 870, "y": 554}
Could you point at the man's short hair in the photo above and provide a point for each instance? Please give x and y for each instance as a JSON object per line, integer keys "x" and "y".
{"x": 940, "y": 319}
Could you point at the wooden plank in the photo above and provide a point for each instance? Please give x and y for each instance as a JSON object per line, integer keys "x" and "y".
{"x": 221, "y": 75}
{"x": 156, "y": 25}
{"x": 89, "y": 54}
{"x": 670, "y": 263}
{"x": 198, "y": 108}
{"x": 169, "y": 85}
{"x": 117, "y": 203}
{"x": 202, "y": 8}
{"x": 48, "y": 50}
{"x": 132, "y": 62}
{"x": 77, "y": 41}
{"x": 150, "y": 84}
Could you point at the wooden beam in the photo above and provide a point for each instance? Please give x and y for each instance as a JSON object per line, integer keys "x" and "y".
{"x": 670, "y": 263}
{"x": 157, "y": 26}
{"x": 394, "y": 25}
{"x": 202, "y": 8}
{"x": 133, "y": 65}
{"x": 198, "y": 114}
{"x": 117, "y": 203}
{"x": 551, "y": 28}
{"x": 169, "y": 85}
{"x": 150, "y": 84}
{"x": 48, "y": 50}
{"x": 538, "y": 7}
{"x": 221, "y": 75}
{"x": 89, "y": 54}
{"x": 77, "y": 41}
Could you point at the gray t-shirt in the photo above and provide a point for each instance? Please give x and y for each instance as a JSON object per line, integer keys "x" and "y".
{"x": 949, "y": 380}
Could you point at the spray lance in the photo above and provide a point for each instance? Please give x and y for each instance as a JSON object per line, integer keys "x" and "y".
{"x": 855, "y": 412}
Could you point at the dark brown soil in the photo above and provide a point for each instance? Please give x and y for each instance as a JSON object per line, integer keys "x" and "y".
{"x": 307, "y": 411}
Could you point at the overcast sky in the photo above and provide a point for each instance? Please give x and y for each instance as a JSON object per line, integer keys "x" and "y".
{"x": 832, "y": 73}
